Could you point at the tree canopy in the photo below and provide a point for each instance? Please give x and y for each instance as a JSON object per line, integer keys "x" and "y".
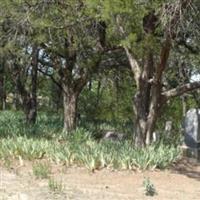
{"x": 99, "y": 55}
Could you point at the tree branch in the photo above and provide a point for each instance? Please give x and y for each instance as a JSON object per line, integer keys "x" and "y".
{"x": 164, "y": 55}
{"x": 51, "y": 77}
{"x": 192, "y": 49}
{"x": 133, "y": 62}
{"x": 181, "y": 89}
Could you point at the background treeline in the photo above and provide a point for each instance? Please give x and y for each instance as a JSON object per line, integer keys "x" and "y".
{"x": 102, "y": 65}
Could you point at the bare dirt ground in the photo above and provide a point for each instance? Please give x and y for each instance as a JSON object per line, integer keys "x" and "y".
{"x": 181, "y": 182}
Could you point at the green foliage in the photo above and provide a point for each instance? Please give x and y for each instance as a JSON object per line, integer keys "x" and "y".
{"x": 109, "y": 100}
{"x": 41, "y": 170}
{"x": 80, "y": 135}
{"x": 66, "y": 30}
{"x": 80, "y": 148}
{"x": 91, "y": 154}
{"x": 176, "y": 118}
{"x": 13, "y": 124}
{"x": 149, "y": 187}
{"x": 127, "y": 15}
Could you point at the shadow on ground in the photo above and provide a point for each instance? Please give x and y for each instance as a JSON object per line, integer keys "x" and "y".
{"x": 188, "y": 167}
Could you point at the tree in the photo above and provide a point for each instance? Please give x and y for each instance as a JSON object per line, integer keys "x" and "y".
{"x": 72, "y": 45}
{"x": 20, "y": 76}
{"x": 2, "y": 84}
{"x": 21, "y": 54}
{"x": 147, "y": 31}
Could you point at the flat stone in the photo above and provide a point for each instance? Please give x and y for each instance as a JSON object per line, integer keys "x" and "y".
{"x": 114, "y": 136}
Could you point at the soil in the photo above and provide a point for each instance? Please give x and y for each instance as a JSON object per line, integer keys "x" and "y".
{"x": 180, "y": 182}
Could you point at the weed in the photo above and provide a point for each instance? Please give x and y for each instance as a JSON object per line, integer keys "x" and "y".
{"x": 55, "y": 186}
{"x": 149, "y": 187}
{"x": 41, "y": 170}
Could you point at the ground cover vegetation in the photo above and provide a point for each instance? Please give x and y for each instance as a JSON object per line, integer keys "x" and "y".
{"x": 71, "y": 71}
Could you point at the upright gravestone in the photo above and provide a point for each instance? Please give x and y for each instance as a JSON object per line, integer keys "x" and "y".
{"x": 192, "y": 128}
{"x": 192, "y": 132}
{"x": 168, "y": 128}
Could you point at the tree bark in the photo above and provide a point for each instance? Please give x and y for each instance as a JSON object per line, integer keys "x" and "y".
{"x": 142, "y": 103}
{"x": 29, "y": 98}
{"x": 70, "y": 100}
{"x": 71, "y": 91}
{"x": 2, "y": 87}
{"x": 148, "y": 100}
{"x": 2, "y": 93}
{"x": 31, "y": 112}
{"x": 16, "y": 99}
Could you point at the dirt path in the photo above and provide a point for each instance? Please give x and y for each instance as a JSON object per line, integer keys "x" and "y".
{"x": 180, "y": 183}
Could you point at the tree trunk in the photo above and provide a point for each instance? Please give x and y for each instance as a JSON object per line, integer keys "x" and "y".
{"x": 2, "y": 87}
{"x": 2, "y": 94}
{"x": 70, "y": 99}
{"x": 143, "y": 107}
{"x": 146, "y": 120}
{"x": 16, "y": 99}
{"x": 31, "y": 113}
{"x": 29, "y": 98}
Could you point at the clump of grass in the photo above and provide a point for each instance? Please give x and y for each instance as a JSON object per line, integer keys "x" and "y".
{"x": 79, "y": 148}
{"x": 27, "y": 148}
{"x": 90, "y": 153}
{"x": 55, "y": 186}
{"x": 41, "y": 170}
{"x": 149, "y": 187}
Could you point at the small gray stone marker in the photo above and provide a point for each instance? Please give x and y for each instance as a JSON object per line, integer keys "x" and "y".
{"x": 192, "y": 133}
{"x": 192, "y": 128}
{"x": 113, "y": 135}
